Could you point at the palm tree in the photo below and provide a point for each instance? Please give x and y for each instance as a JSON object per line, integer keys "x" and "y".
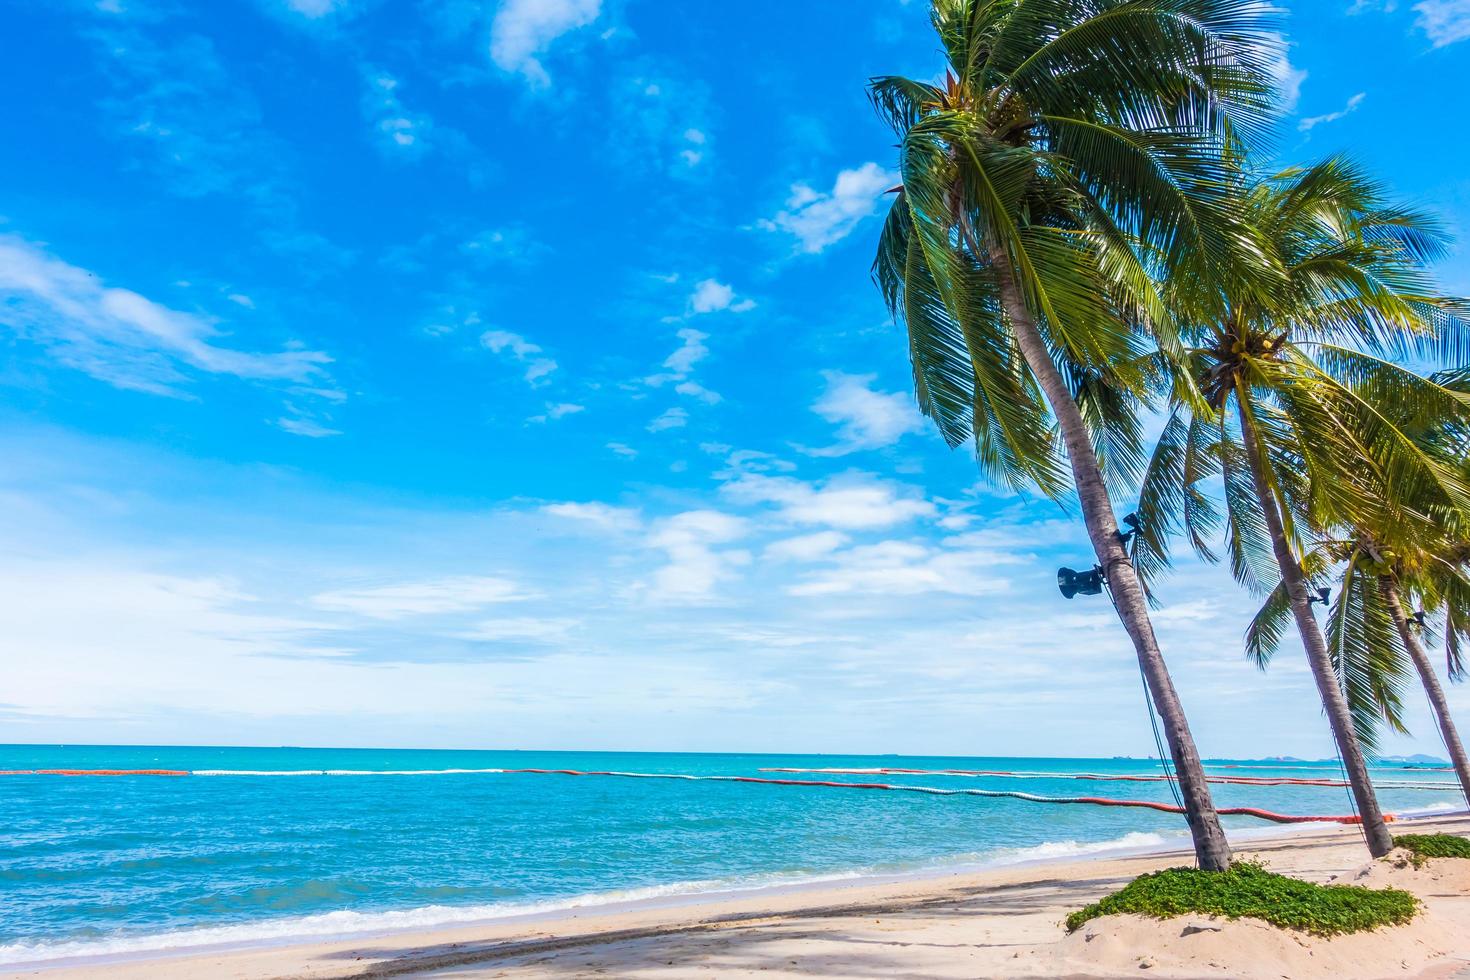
{"x": 1074, "y": 150}
{"x": 1449, "y": 579}
{"x": 1288, "y": 427}
{"x": 1422, "y": 556}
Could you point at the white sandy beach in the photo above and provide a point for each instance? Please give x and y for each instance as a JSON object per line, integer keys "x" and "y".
{"x": 999, "y": 923}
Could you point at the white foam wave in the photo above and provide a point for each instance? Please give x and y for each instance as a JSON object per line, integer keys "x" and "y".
{"x": 343, "y": 924}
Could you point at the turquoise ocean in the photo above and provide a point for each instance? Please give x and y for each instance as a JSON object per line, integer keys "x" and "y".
{"x": 135, "y": 864}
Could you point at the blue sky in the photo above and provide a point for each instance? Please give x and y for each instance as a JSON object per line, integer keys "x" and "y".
{"x": 508, "y": 374}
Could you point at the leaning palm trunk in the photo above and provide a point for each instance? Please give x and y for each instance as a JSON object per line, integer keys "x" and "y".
{"x": 1211, "y": 848}
{"x": 1380, "y": 841}
{"x": 1390, "y": 590}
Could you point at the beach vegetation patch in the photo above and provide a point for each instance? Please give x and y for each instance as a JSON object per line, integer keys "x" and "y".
{"x": 1434, "y": 845}
{"x": 1248, "y": 890}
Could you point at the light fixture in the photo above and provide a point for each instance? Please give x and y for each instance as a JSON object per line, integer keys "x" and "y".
{"x": 1324, "y": 595}
{"x": 1133, "y": 527}
{"x": 1072, "y": 583}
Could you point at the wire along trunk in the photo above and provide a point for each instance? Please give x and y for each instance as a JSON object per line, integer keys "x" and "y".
{"x": 1437, "y": 701}
{"x": 1380, "y": 841}
{"x": 1211, "y": 848}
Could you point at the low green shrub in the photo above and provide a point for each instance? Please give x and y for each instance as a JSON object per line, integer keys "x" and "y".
{"x": 1250, "y": 891}
{"x": 1434, "y": 845}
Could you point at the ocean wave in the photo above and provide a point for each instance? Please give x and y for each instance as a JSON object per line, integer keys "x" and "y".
{"x": 346, "y": 923}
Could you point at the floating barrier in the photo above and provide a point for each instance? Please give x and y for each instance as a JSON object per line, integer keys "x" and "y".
{"x": 1245, "y": 811}
{"x": 1121, "y": 777}
{"x": 95, "y": 772}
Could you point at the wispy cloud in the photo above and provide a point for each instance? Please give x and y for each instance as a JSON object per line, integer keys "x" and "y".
{"x": 311, "y": 9}
{"x": 673, "y": 418}
{"x": 713, "y": 296}
{"x": 523, "y": 29}
{"x": 521, "y": 350}
{"x": 596, "y": 513}
{"x": 866, "y": 419}
{"x": 806, "y": 547}
{"x": 679, "y": 365}
{"x": 1312, "y": 122}
{"x": 904, "y": 568}
{"x": 817, "y": 219}
{"x": 1288, "y": 78}
{"x": 848, "y": 502}
{"x": 122, "y": 337}
{"x": 1444, "y": 21}
{"x": 695, "y": 564}
{"x": 397, "y": 131}
{"x": 507, "y": 244}
{"x": 199, "y": 131}
{"x": 661, "y": 121}
{"x": 301, "y": 424}
{"x": 557, "y": 410}
{"x": 402, "y": 600}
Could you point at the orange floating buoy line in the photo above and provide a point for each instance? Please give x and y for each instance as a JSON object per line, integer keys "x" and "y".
{"x": 1245, "y": 811}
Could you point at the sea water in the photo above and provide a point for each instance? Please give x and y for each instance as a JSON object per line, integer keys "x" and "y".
{"x": 134, "y": 864}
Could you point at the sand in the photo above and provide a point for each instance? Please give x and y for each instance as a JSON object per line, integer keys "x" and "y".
{"x": 1002, "y": 923}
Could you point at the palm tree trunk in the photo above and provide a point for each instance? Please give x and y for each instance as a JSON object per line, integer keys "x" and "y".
{"x": 1390, "y": 590}
{"x": 1211, "y": 849}
{"x": 1380, "y": 841}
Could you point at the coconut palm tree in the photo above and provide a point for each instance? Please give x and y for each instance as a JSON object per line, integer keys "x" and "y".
{"x": 1289, "y": 429}
{"x": 1447, "y": 582}
{"x": 1073, "y": 151}
{"x": 1423, "y": 556}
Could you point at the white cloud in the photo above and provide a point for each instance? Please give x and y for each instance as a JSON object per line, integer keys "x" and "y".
{"x": 445, "y": 595}
{"x": 1444, "y": 21}
{"x": 510, "y": 244}
{"x": 695, "y": 567}
{"x": 1288, "y": 78}
{"x": 1312, "y": 122}
{"x": 818, "y": 219}
{"x": 300, "y": 425}
{"x": 674, "y": 418}
{"x": 693, "y": 153}
{"x": 696, "y": 390}
{"x": 398, "y": 131}
{"x": 620, "y": 449}
{"x": 602, "y": 515}
{"x": 556, "y": 411}
{"x": 521, "y": 628}
{"x": 806, "y": 547}
{"x": 689, "y": 353}
{"x": 315, "y": 9}
{"x": 523, "y": 29}
{"x": 518, "y": 348}
{"x": 121, "y": 337}
{"x": 866, "y": 419}
{"x": 850, "y": 502}
{"x": 659, "y": 123}
{"x": 713, "y": 296}
{"x": 904, "y": 568}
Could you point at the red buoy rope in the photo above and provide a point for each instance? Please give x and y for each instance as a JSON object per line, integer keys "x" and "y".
{"x": 1118, "y": 777}
{"x": 824, "y": 783}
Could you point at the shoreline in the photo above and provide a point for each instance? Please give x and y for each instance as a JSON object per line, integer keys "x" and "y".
{"x": 602, "y": 918}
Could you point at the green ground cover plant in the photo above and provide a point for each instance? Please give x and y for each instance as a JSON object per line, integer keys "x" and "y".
{"x": 1250, "y": 891}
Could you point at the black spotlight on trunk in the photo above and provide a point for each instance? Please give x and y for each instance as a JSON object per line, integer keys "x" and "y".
{"x": 1079, "y": 583}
